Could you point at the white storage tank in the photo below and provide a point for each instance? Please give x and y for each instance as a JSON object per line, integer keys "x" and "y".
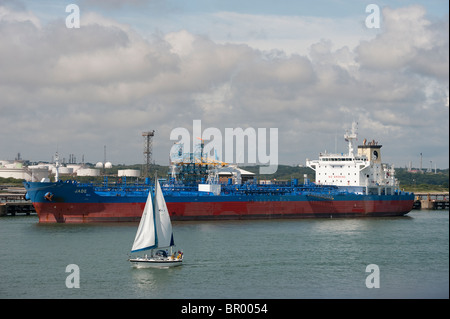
{"x": 75, "y": 167}
{"x": 4, "y": 163}
{"x": 40, "y": 166}
{"x": 99, "y": 165}
{"x": 37, "y": 174}
{"x": 129, "y": 172}
{"x": 65, "y": 170}
{"x": 88, "y": 172}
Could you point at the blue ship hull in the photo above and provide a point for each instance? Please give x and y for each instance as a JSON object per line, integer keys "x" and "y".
{"x": 73, "y": 202}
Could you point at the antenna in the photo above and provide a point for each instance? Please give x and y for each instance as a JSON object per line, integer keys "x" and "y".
{"x": 104, "y": 159}
{"x": 420, "y": 162}
{"x": 148, "y": 141}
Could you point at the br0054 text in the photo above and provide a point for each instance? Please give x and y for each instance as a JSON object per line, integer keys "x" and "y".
{"x": 245, "y": 308}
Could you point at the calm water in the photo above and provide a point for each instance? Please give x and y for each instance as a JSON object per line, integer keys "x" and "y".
{"x": 321, "y": 258}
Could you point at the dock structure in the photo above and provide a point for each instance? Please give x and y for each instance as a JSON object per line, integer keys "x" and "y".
{"x": 431, "y": 201}
{"x": 12, "y": 204}
{"x": 13, "y": 209}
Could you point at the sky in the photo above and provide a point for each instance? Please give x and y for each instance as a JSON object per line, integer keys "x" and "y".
{"x": 307, "y": 68}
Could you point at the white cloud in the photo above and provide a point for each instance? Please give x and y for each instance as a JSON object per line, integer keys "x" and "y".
{"x": 105, "y": 83}
{"x": 10, "y": 15}
{"x": 181, "y": 42}
{"x": 409, "y": 40}
{"x": 290, "y": 33}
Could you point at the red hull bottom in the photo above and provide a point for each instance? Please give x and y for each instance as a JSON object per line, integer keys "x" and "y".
{"x": 131, "y": 212}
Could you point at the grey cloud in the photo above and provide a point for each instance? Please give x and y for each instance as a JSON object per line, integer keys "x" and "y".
{"x": 104, "y": 84}
{"x": 410, "y": 41}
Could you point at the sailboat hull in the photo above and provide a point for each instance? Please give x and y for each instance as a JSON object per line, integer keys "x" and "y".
{"x": 155, "y": 263}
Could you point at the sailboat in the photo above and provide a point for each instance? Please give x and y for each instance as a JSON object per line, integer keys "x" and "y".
{"x": 155, "y": 233}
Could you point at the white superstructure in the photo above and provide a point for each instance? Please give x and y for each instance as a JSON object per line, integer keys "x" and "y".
{"x": 364, "y": 170}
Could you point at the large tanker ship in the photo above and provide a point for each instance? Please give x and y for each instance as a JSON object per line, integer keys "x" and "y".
{"x": 346, "y": 185}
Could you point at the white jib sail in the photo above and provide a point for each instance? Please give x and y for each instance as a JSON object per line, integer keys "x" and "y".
{"x": 162, "y": 219}
{"x": 145, "y": 235}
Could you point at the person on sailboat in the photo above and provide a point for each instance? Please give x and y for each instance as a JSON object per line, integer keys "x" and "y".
{"x": 180, "y": 255}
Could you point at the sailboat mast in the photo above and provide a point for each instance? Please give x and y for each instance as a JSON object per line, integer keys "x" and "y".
{"x": 156, "y": 219}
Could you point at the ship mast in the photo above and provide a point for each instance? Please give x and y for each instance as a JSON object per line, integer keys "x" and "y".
{"x": 351, "y": 138}
{"x": 57, "y": 167}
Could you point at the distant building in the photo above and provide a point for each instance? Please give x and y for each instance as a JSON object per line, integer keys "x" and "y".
{"x": 17, "y": 170}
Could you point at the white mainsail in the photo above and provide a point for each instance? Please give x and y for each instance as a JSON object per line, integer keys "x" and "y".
{"x": 155, "y": 228}
{"x": 162, "y": 219}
